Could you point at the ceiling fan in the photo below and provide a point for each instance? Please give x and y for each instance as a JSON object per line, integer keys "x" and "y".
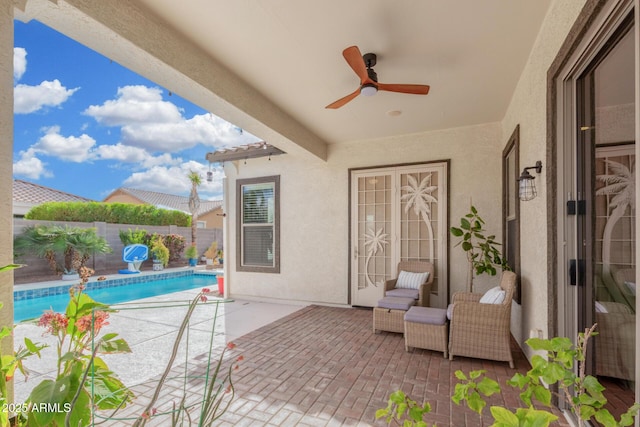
{"x": 363, "y": 66}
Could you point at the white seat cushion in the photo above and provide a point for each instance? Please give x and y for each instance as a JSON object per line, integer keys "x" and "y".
{"x": 410, "y": 280}
{"x": 493, "y": 296}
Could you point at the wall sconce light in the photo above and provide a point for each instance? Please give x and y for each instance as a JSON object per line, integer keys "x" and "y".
{"x": 527, "y": 189}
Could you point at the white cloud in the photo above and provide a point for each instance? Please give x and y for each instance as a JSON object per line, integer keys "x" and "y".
{"x": 135, "y": 104}
{"x": 19, "y": 62}
{"x": 135, "y": 155}
{"x": 28, "y": 99}
{"x": 156, "y": 125}
{"x": 29, "y": 166}
{"x": 68, "y": 148}
{"x": 173, "y": 180}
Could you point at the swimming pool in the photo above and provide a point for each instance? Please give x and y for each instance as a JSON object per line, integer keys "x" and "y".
{"x": 28, "y": 304}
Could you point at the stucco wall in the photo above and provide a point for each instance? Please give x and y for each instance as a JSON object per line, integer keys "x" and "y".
{"x": 315, "y": 207}
{"x": 528, "y": 108}
{"x": 6, "y": 167}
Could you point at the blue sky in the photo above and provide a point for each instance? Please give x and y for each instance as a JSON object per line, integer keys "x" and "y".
{"x": 86, "y": 125}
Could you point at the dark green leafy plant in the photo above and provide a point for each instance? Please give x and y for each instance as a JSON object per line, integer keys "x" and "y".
{"x": 482, "y": 250}
{"x": 111, "y": 213}
{"x": 83, "y": 381}
{"x": 587, "y": 401}
{"x": 131, "y": 237}
{"x": 191, "y": 252}
{"x": 401, "y": 406}
{"x": 67, "y": 249}
{"x": 158, "y": 250}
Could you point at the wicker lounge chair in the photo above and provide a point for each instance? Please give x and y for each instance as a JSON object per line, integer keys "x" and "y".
{"x": 424, "y": 290}
{"x": 481, "y": 330}
{"x": 616, "y": 341}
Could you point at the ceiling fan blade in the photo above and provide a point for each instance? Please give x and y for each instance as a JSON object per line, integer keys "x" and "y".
{"x": 354, "y": 59}
{"x": 340, "y": 102}
{"x": 414, "y": 89}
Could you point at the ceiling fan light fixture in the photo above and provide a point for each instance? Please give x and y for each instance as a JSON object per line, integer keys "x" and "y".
{"x": 368, "y": 89}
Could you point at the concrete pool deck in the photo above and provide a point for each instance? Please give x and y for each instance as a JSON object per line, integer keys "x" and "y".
{"x": 150, "y": 326}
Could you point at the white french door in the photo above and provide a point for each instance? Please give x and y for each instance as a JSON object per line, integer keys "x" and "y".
{"x": 397, "y": 214}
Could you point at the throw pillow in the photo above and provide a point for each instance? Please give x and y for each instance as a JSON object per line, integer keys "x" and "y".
{"x": 632, "y": 287}
{"x": 601, "y": 308}
{"x": 493, "y": 296}
{"x": 410, "y": 280}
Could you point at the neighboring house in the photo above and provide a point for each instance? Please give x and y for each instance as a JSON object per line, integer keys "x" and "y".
{"x": 26, "y": 195}
{"x": 384, "y": 177}
{"x": 209, "y": 214}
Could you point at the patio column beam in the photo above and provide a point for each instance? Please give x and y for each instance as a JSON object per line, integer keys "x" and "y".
{"x": 6, "y": 170}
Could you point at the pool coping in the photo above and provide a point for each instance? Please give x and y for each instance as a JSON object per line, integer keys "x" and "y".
{"x": 58, "y": 287}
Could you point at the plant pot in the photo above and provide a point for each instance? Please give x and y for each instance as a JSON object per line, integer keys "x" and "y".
{"x": 209, "y": 261}
{"x": 220, "y": 285}
{"x": 157, "y": 265}
{"x": 71, "y": 276}
{"x": 193, "y": 262}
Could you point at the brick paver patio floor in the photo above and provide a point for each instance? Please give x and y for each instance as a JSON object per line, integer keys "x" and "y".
{"x": 324, "y": 366}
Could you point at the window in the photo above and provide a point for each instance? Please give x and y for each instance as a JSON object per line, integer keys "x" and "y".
{"x": 201, "y": 224}
{"x": 258, "y": 234}
{"x": 511, "y": 208}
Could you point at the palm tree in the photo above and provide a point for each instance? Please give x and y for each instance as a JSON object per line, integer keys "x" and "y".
{"x": 76, "y": 245}
{"x": 621, "y": 184}
{"x": 419, "y": 197}
{"x": 194, "y": 203}
{"x": 374, "y": 242}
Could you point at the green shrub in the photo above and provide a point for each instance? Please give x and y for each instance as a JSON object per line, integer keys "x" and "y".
{"x": 131, "y": 237}
{"x": 158, "y": 249}
{"x": 112, "y": 213}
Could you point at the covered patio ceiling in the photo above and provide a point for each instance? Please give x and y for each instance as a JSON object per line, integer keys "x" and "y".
{"x": 273, "y": 65}
{"x": 470, "y": 52}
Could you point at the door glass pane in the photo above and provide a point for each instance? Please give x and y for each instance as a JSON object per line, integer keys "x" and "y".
{"x": 418, "y": 218}
{"x": 614, "y": 286}
{"x": 374, "y": 228}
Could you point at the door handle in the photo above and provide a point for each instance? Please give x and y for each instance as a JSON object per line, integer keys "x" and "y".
{"x": 573, "y": 273}
{"x": 576, "y": 271}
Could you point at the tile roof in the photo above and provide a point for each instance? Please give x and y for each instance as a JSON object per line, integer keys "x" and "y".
{"x": 170, "y": 201}
{"x": 30, "y": 193}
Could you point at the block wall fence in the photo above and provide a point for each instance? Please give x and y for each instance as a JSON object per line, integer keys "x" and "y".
{"x": 112, "y": 262}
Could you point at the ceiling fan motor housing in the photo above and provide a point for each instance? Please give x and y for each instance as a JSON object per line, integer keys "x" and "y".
{"x": 370, "y": 59}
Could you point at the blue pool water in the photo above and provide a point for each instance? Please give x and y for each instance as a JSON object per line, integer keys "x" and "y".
{"x": 28, "y": 306}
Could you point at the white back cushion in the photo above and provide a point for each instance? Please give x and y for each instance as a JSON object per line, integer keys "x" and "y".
{"x": 410, "y": 280}
{"x": 493, "y": 296}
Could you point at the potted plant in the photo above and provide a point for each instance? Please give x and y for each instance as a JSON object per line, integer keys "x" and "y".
{"x": 482, "y": 251}
{"x": 211, "y": 253}
{"x": 220, "y": 257}
{"x": 66, "y": 249}
{"x": 192, "y": 255}
{"x": 159, "y": 252}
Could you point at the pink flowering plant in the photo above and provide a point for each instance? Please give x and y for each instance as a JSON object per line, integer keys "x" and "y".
{"x": 83, "y": 380}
